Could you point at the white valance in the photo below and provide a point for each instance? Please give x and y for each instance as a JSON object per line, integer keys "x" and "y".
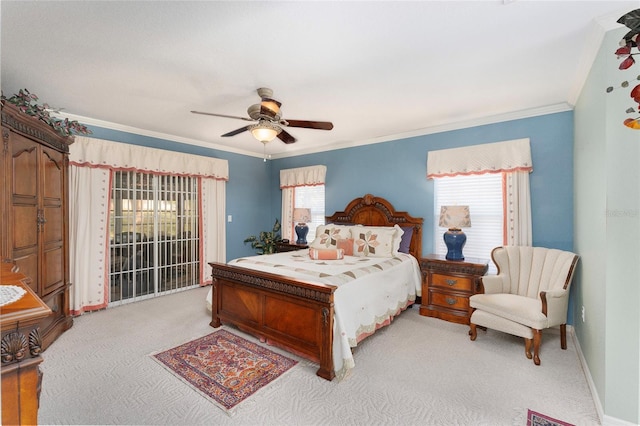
{"x": 90, "y": 152}
{"x": 303, "y": 176}
{"x": 509, "y": 156}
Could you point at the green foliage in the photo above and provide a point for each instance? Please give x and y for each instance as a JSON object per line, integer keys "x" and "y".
{"x": 266, "y": 242}
{"x": 26, "y": 103}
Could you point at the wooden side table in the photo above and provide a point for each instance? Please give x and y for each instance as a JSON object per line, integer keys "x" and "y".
{"x": 21, "y": 348}
{"x": 281, "y": 247}
{"x": 447, "y": 286}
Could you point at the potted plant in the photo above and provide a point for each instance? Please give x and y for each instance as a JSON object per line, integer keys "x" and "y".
{"x": 267, "y": 241}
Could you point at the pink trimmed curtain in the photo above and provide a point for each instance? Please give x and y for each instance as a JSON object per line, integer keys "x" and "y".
{"x": 289, "y": 180}
{"x": 92, "y": 163}
{"x": 512, "y": 159}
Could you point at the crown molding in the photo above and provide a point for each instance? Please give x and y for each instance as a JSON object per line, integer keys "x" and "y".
{"x": 445, "y": 127}
{"x": 152, "y": 134}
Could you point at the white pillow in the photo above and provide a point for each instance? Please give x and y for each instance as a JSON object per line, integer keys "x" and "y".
{"x": 327, "y": 236}
{"x": 322, "y": 228}
{"x": 376, "y": 241}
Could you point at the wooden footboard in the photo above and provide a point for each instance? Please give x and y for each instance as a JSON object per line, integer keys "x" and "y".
{"x": 294, "y": 314}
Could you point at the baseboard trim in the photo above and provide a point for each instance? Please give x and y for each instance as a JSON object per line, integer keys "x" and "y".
{"x": 604, "y": 419}
{"x": 587, "y": 373}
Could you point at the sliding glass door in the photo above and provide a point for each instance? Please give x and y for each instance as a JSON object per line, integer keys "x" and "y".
{"x": 154, "y": 235}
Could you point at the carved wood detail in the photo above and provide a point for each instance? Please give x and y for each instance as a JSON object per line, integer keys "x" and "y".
{"x": 370, "y": 206}
{"x": 14, "y": 347}
{"x": 5, "y": 140}
{"x": 273, "y": 283}
{"x": 35, "y": 342}
{"x": 460, "y": 268}
{"x": 32, "y": 128}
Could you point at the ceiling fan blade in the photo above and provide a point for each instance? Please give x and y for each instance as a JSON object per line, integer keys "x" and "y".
{"x": 321, "y": 125}
{"x": 223, "y": 115}
{"x": 286, "y": 137}
{"x": 237, "y": 131}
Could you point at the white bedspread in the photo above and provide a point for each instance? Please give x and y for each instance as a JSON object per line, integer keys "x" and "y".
{"x": 371, "y": 291}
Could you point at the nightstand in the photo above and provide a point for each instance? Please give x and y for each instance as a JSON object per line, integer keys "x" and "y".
{"x": 447, "y": 286}
{"x": 281, "y": 247}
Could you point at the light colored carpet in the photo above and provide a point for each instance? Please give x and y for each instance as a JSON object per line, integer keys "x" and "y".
{"x": 417, "y": 371}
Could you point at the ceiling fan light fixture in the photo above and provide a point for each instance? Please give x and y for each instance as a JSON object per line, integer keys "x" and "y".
{"x": 271, "y": 105}
{"x": 264, "y": 131}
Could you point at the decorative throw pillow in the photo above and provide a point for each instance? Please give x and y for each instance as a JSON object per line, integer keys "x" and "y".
{"x": 374, "y": 241}
{"x": 323, "y": 228}
{"x": 327, "y": 236}
{"x": 326, "y": 254}
{"x": 346, "y": 244}
{"x": 405, "y": 239}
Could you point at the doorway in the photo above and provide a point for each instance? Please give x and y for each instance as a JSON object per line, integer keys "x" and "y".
{"x": 154, "y": 235}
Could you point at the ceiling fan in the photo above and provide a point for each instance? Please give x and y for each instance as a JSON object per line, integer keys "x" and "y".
{"x": 269, "y": 120}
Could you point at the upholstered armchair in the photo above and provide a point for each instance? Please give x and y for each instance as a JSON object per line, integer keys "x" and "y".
{"x": 529, "y": 293}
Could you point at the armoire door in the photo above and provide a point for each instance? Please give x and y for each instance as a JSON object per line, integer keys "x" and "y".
{"x": 51, "y": 221}
{"x": 37, "y": 213}
{"x": 24, "y": 210}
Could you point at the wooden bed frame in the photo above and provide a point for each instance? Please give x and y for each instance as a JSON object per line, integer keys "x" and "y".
{"x": 294, "y": 314}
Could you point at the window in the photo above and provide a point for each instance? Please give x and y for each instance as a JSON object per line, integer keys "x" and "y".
{"x": 302, "y": 187}
{"x": 311, "y": 197}
{"x": 483, "y": 195}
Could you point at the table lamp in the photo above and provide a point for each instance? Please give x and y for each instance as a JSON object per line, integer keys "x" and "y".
{"x": 454, "y": 218}
{"x": 301, "y": 216}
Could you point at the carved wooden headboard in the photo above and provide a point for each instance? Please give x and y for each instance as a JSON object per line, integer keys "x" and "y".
{"x": 376, "y": 211}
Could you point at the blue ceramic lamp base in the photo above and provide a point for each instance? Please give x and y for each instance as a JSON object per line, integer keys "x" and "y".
{"x": 301, "y": 231}
{"x": 455, "y": 240}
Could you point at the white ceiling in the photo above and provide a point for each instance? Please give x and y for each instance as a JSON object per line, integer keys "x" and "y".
{"x": 377, "y": 70}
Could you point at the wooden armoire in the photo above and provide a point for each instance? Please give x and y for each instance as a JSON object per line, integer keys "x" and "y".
{"x": 34, "y": 205}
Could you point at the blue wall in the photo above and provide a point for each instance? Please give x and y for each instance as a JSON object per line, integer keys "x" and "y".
{"x": 396, "y": 171}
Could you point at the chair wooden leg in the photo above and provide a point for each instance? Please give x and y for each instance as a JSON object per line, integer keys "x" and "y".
{"x": 563, "y": 336}
{"x": 527, "y": 347}
{"x": 472, "y": 332}
{"x": 537, "y": 338}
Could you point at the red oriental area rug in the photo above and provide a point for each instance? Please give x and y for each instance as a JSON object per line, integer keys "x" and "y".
{"x": 224, "y": 367}
{"x": 537, "y": 419}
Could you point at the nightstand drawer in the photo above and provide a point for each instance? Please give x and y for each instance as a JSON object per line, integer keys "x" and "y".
{"x": 450, "y": 301}
{"x": 454, "y": 283}
{"x": 447, "y": 286}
